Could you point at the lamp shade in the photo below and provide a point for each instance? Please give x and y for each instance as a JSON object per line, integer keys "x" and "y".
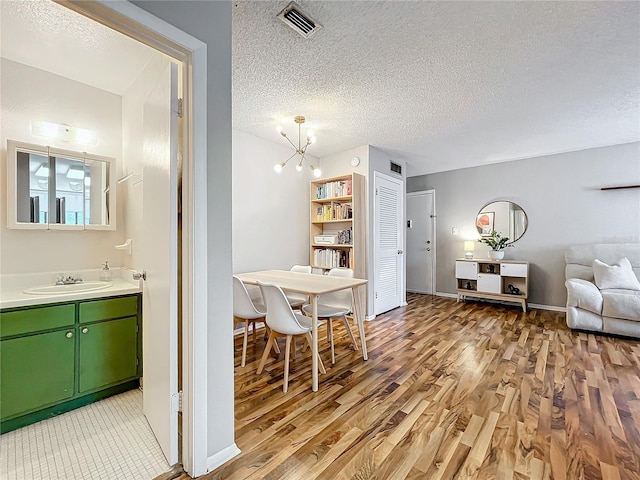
{"x": 469, "y": 246}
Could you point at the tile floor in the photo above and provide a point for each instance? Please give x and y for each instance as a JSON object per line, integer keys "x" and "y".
{"x": 109, "y": 439}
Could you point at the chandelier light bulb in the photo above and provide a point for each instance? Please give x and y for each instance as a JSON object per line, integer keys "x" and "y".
{"x": 299, "y": 166}
{"x": 316, "y": 171}
{"x": 312, "y": 139}
{"x": 278, "y": 167}
{"x": 279, "y": 129}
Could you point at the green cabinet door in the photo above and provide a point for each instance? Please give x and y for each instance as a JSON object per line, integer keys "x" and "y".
{"x": 36, "y": 371}
{"x": 108, "y": 352}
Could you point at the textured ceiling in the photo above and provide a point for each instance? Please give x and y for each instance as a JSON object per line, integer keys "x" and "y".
{"x": 48, "y": 36}
{"x": 442, "y": 85}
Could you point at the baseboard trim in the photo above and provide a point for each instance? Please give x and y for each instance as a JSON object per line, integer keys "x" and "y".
{"x": 368, "y": 318}
{"x": 449, "y": 295}
{"x": 540, "y": 306}
{"x": 223, "y": 456}
{"x": 553, "y": 308}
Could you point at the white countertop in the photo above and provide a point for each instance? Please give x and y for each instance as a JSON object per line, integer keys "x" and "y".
{"x": 12, "y": 287}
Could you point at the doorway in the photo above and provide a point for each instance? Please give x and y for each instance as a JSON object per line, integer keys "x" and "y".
{"x": 139, "y": 183}
{"x": 421, "y": 245}
{"x": 388, "y": 243}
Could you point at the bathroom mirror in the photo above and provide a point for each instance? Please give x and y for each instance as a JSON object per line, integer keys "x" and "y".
{"x": 59, "y": 189}
{"x": 506, "y": 218}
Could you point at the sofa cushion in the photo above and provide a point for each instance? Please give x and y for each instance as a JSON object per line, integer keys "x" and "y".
{"x": 584, "y": 295}
{"x": 618, "y": 275}
{"x": 620, "y": 303}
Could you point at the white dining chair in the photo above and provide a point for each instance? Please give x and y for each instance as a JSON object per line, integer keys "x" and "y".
{"x": 283, "y": 322}
{"x": 247, "y": 311}
{"x": 335, "y": 305}
{"x": 296, "y": 300}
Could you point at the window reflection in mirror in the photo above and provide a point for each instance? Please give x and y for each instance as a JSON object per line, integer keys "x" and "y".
{"x": 32, "y": 184}
{"x": 68, "y": 203}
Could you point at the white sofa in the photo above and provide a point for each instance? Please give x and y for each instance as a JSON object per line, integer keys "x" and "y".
{"x": 612, "y": 310}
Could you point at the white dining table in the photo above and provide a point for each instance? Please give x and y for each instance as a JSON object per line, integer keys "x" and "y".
{"x": 314, "y": 286}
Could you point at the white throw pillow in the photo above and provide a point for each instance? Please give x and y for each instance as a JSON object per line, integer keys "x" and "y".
{"x": 618, "y": 275}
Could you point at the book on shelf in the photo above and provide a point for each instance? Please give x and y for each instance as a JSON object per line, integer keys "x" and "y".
{"x": 341, "y": 188}
{"x": 331, "y": 258}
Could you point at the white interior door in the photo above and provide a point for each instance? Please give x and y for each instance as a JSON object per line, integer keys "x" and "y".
{"x": 420, "y": 242}
{"x": 159, "y": 253}
{"x": 388, "y": 243}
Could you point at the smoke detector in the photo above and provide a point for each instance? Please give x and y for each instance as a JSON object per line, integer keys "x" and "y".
{"x": 299, "y": 20}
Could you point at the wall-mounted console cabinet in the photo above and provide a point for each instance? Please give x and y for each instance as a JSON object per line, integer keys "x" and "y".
{"x": 54, "y": 358}
{"x": 505, "y": 280}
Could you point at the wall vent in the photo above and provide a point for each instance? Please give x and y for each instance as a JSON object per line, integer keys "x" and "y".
{"x": 395, "y": 167}
{"x": 299, "y": 20}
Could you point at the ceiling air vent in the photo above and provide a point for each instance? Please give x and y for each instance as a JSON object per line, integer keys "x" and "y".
{"x": 299, "y": 20}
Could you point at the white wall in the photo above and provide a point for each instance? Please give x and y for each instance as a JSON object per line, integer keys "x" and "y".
{"x": 564, "y": 205}
{"x": 30, "y": 94}
{"x": 210, "y": 22}
{"x": 270, "y": 210}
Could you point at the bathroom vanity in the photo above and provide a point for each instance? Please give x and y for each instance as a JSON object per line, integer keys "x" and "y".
{"x": 57, "y": 355}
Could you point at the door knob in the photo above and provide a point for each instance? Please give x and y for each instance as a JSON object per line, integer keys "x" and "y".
{"x": 85, "y": 330}
{"x": 69, "y": 335}
{"x": 399, "y": 252}
{"x": 428, "y": 249}
{"x": 140, "y": 275}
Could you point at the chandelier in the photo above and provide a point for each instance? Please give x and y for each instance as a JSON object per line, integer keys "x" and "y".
{"x": 300, "y": 149}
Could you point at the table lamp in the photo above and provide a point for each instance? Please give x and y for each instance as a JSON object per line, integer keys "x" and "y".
{"x": 469, "y": 247}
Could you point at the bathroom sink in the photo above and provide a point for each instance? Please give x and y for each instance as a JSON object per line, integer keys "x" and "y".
{"x": 70, "y": 288}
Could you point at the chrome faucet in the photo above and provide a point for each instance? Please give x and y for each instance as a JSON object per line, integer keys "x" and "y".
{"x": 68, "y": 280}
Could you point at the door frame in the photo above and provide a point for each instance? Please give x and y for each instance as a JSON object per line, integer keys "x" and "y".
{"x": 432, "y": 219}
{"x": 144, "y": 27}
{"x": 402, "y": 274}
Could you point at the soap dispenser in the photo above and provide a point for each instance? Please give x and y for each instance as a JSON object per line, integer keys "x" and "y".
{"x": 105, "y": 273}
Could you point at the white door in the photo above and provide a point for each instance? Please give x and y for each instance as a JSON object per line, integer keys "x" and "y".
{"x": 159, "y": 253}
{"x": 420, "y": 242}
{"x": 388, "y": 243}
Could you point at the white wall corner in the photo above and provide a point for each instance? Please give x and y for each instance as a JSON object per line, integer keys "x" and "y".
{"x": 223, "y": 456}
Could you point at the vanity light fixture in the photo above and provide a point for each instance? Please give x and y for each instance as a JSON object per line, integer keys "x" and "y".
{"x": 66, "y": 133}
{"x": 42, "y": 171}
{"x": 300, "y": 149}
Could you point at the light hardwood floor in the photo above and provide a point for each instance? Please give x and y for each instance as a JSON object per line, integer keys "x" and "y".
{"x": 451, "y": 390}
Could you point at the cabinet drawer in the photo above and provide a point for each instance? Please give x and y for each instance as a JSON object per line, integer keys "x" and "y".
{"x": 489, "y": 283}
{"x": 513, "y": 269}
{"x": 467, "y": 270}
{"x": 29, "y": 320}
{"x": 109, "y": 308}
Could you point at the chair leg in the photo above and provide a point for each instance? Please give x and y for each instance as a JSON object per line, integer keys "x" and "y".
{"x": 287, "y": 350}
{"x": 293, "y": 340}
{"x": 275, "y": 344}
{"x": 253, "y": 323}
{"x": 320, "y": 364}
{"x": 330, "y": 338}
{"x": 244, "y": 343}
{"x": 353, "y": 339}
{"x": 267, "y": 349}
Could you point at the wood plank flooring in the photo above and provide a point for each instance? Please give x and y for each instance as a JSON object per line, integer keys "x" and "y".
{"x": 451, "y": 390}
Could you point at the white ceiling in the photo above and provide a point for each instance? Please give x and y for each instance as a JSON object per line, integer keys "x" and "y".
{"x": 48, "y": 36}
{"x": 442, "y": 85}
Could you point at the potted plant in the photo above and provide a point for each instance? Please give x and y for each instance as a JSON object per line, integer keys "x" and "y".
{"x": 498, "y": 243}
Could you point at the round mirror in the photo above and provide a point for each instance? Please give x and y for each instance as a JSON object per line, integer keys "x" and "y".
{"x": 506, "y": 218}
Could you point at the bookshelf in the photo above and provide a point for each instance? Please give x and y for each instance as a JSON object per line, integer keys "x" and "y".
{"x": 337, "y": 223}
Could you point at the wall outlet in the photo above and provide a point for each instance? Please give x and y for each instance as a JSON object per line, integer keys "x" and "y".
{"x": 455, "y": 230}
